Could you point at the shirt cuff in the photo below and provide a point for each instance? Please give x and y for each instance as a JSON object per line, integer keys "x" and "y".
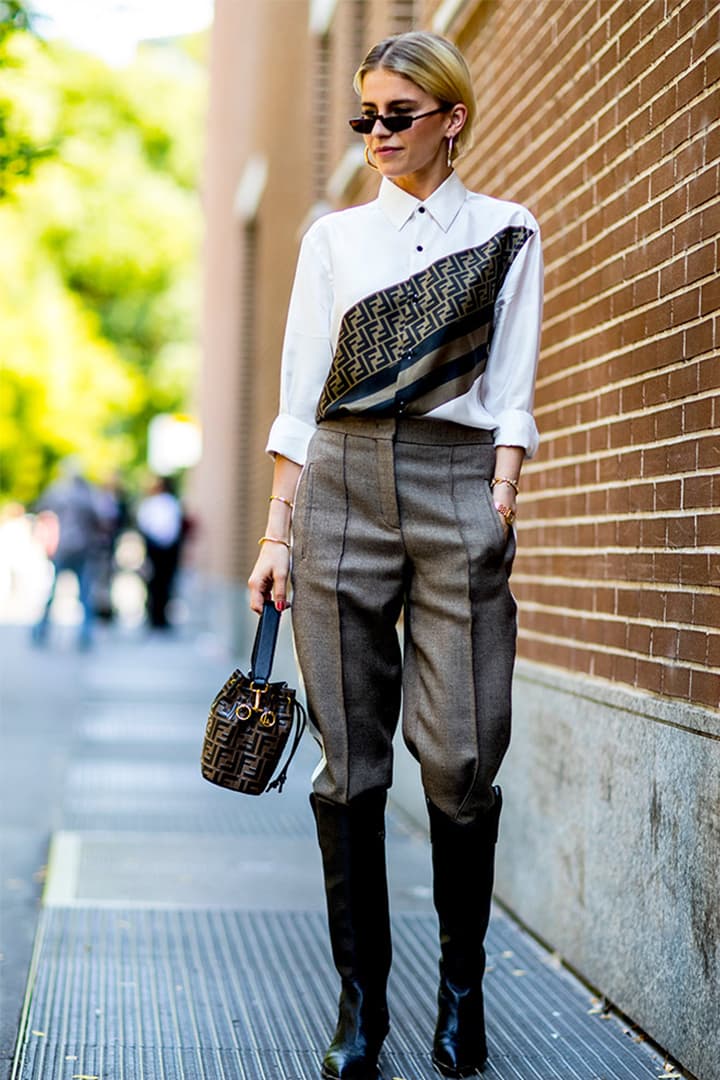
{"x": 514, "y": 427}
{"x": 290, "y": 437}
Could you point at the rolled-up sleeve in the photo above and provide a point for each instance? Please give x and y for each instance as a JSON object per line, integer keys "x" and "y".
{"x": 508, "y": 384}
{"x": 307, "y": 350}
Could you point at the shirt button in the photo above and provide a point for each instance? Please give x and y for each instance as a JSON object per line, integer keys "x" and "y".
{"x": 421, "y": 209}
{"x": 419, "y": 247}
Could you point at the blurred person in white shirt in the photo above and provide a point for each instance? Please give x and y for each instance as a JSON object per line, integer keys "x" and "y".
{"x": 159, "y": 519}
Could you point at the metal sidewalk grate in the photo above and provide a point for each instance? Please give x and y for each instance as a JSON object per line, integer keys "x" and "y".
{"x": 227, "y": 995}
{"x": 125, "y": 777}
{"x": 133, "y": 779}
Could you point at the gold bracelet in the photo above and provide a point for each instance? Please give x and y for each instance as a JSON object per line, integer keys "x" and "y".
{"x": 282, "y": 499}
{"x": 505, "y": 480}
{"x": 273, "y": 540}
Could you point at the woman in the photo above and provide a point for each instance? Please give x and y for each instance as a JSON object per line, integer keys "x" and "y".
{"x": 406, "y": 397}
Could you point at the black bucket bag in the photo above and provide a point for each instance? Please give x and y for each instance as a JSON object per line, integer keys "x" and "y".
{"x": 251, "y": 720}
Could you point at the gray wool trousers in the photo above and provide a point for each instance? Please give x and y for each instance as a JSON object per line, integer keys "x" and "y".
{"x": 396, "y": 516}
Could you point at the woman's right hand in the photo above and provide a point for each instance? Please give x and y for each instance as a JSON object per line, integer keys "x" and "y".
{"x": 269, "y": 577}
{"x": 271, "y": 573}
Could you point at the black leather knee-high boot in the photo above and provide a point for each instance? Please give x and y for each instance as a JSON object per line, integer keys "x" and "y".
{"x": 352, "y": 842}
{"x": 463, "y": 869}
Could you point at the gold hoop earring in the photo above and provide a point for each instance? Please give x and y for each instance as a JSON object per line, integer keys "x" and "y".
{"x": 367, "y": 158}
{"x": 451, "y": 140}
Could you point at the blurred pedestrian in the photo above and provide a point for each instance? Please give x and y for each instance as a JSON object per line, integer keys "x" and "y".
{"x": 114, "y": 518}
{"x": 406, "y": 394}
{"x": 159, "y": 518}
{"x": 72, "y": 502}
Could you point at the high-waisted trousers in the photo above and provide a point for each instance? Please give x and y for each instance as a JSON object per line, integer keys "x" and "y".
{"x": 391, "y": 517}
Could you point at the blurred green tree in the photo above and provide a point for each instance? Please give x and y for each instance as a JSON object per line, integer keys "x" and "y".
{"x": 19, "y": 145}
{"x": 101, "y": 223}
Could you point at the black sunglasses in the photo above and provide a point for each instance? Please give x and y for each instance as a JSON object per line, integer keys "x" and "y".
{"x": 364, "y": 124}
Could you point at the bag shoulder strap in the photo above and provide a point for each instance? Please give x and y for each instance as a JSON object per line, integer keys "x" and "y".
{"x": 263, "y": 652}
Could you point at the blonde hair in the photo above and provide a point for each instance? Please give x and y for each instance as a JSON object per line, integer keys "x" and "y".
{"x": 434, "y": 64}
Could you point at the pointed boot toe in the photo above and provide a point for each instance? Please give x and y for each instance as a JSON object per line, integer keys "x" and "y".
{"x": 362, "y": 1026}
{"x": 459, "y": 1046}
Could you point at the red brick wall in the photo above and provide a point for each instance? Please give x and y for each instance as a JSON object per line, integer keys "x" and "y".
{"x": 603, "y": 118}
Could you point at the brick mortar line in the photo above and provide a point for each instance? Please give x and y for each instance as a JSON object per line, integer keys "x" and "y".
{"x": 582, "y": 489}
{"x": 580, "y": 103}
{"x": 614, "y": 419}
{"x": 597, "y": 583}
{"x": 599, "y": 647}
{"x": 531, "y": 497}
{"x": 530, "y": 500}
{"x": 572, "y": 195}
{"x": 595, "y": 455}
{"x": 584, "y": 551}
{"x": 554, "y": 294}
{"x": 598, "y": 616}
{"x": 604, "y": 519}
{"x": 626, "y": 448}
{"x": 621, "y": 384}
{"x": 615, "y": 354}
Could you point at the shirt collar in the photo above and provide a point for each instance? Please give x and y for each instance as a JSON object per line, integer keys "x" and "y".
{"x": 443, "y": 205}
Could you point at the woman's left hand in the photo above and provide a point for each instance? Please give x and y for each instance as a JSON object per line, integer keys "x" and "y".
{"x": 505, "y": 510}
{"x": 508, "y": 462}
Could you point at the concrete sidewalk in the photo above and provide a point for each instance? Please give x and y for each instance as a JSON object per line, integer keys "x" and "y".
{"x": 181, "y": 933}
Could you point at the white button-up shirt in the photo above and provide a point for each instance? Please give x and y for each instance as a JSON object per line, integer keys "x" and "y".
{"x": 429, "y": 307}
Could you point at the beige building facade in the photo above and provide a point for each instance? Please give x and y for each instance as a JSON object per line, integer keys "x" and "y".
{"x": 603, "y": 117}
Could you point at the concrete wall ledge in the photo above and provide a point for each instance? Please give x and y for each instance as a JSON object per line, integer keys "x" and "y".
{"x": 610, "y": 847}
{"x": 662, "y": 709}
